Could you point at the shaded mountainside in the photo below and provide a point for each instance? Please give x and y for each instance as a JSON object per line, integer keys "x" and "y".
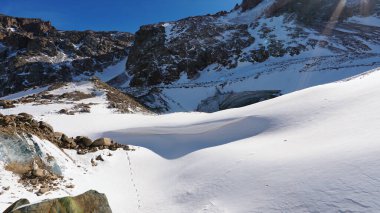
{"x": 34, "y": 53}
{"x": 230, "y": 47}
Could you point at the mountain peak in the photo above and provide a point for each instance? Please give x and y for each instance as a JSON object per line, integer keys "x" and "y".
{"x": 249, "y": 4}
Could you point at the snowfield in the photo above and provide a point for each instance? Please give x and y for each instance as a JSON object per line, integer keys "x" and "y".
{"x": 315, "y": 150}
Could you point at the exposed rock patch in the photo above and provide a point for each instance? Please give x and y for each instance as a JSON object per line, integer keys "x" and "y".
{"x": 118, "y": 100}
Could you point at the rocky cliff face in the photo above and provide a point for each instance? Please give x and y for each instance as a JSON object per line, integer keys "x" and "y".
{"x": 188, "y": 45}
{"x": 34, "y": 53}
{"x": 163, "y": 51}
{"x": 255, "y": 34}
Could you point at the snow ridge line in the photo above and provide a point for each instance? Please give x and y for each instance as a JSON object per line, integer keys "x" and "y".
{"x": 133, "y": 182}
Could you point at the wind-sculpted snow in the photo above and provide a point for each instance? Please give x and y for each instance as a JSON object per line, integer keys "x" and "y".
{"x": 173, "y": 142}
{"x": 315, "y": 150}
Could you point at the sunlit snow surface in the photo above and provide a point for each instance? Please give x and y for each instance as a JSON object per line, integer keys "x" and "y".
{"x": 314, "y": 150}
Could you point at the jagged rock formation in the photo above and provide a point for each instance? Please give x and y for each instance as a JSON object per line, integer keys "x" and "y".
{"x": 91, "y": 201}
{"x": 34, "y": 53}
{"x": 173, "y": 49}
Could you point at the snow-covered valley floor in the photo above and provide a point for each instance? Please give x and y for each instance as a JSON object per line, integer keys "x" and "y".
{"x": 315, "y": 150}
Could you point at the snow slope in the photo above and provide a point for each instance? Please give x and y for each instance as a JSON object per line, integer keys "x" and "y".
{"x": 315, "y": 150}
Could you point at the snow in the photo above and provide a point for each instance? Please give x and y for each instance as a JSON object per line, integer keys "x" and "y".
{"x": 315, "y": 150}
{"x": 24, "y": 93}
{"x": 112, "y": 71}
{"x": 287, "y": 74}
{"x": 61, "y": 57}
{"x": 85, "y": 87}
{"x": 369, "y": 21}
{"x": 2, "y": 46}
{"x": 11, "y": 29}
{"x": 98, "y": 103}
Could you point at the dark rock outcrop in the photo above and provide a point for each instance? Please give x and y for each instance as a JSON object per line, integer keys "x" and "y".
{"x": 312, "y": 12}
{"x": 249, "y": 4}
{"x": 91, "y": 201}
{"x": 163, "y": 51}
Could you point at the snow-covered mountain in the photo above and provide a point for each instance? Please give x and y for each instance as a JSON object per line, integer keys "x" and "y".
{"x": 283, "y": 45}
{"x": 315, "y": 150}
{"x": 258, "y": 50}
{"x": 305, "y": 74}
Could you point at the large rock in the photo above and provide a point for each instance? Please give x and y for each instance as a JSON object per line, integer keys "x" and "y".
{"x": 85, "y": 141}
{"x": 16, "y": 205}
{"x": 44, "y": 125}
{"x": 39, "y": 172}
{"x": 6, "y": 104}
{"x": 102, "y": 142}
{"x": 91, "y": 201}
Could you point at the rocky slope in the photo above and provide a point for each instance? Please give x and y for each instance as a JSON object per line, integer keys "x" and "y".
{"x": 70, "y": 98}
{"x": 255, "y": 39}
{"x": 34, "y": 53}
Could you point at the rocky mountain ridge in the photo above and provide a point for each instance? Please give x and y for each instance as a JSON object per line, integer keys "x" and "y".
{"x": 34, "y": 53}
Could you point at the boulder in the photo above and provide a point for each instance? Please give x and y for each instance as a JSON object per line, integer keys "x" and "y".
{"x": 102, "y": 142}
{"x": 39, "y": 172}
{"x": 45, "y": 125}
{"x": 6, "y": 104}
{"x": 68, "y": 142}
{"x": 85, "y": 141}
{"x": 91, "y": 201}
{"x": 44, "y": 190}
{"x": 26, "y": 116}
{"x": 58, "y": 135}
{"x": 99, "y": 158}
{"x": 16, "y": 205}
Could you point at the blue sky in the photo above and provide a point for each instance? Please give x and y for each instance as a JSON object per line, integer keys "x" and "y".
{"x": 121, "y": 15}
